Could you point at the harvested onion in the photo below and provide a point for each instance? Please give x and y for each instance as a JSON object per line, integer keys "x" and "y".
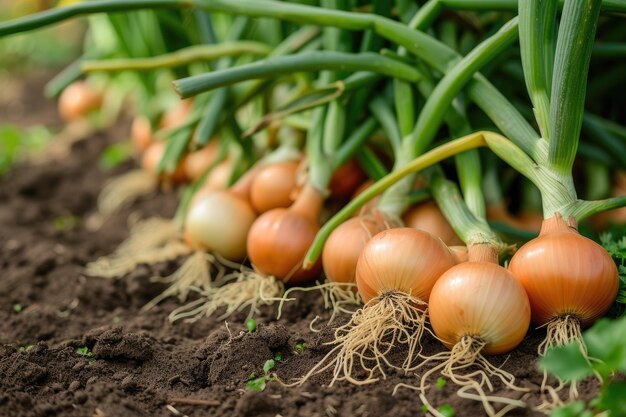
{"x": 141, "y": 133}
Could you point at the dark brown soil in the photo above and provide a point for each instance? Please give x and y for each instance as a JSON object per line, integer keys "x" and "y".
{"x": 140, "y": 362}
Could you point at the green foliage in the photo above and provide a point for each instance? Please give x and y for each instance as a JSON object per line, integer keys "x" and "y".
{"x": 65, "y": 222}
{"x": 16, "y": 143}
{"x": 441, "y": 382}
{"x": 84, "y": 351}
{"x": 278, "y": 356}
{"x": 300, "y": 347}
{"x": 607, "y": 347}
{"x": 617, "y": 249}
{"x": 446, "y": 410}
{"x": 257, "y": 383}
{"x": 25, "y": 348}
{"x": 251, "y": 325}
{"x": 17, "y": 308}
{"x": 115, "y": 155}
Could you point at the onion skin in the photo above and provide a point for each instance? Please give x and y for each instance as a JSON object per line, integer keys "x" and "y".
{"x": 141, "y": 134}
{"x": 482, "y": 300}
{"x": 220, "y": 222}
{"x": 565, "y": 273}
{"x": 77, "y": 101}
{"x": 529, "y": 220}
{"x": 279, "y": 239}
{"x": 460, "y": 253}
{"x": 344, "y": 246}
{"x": 402, "y": 259}
{"x": 273, "y": 186}
{"x": 176, "y": 116}
{"x": 345, "y": 181}
{"x": 150, "y": 162}
{"x": 427, "y": 216}
{"x": 196, "y": 163}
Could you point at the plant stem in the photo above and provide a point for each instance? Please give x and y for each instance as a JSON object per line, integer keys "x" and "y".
{"x": 181, "y": 57}
{"x": 306, "y": 61}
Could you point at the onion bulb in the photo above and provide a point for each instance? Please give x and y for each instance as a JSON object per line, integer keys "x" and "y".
{"x": 394, "y": 274}
{"x": 475, "y": 308}
{"x": 402, "y": 260}
{"x": 150, "y": 161}
{"x": 427, "y": 216}
{"x": 217, "y": 180}
{"x": 176, "y": 115}
{"x": 219, "y": 222}
{"x": 141, "y": 133}
{"x": 565, "y": 274}
{"x": 196, "y": 163}
{"x": 344, "y": 246}
{"x": 78, "y": 100}
{"x": 346, "y": 180}
{"x": 279, "y": 239}
{"x": 273, "y": 186}
{"x": 483, "y": 300}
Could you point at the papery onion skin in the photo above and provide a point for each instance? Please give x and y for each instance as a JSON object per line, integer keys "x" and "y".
{"x": 344, "y": 246}
{"x": 427, "y": 216}
{"x": 196, "y": 163}
{"x": 77, "y": 100}
{"x": 402, "y": 259}
{"x": 460, "y": 253}
{"x": 141, "y": 134}
{"x": 273, "y": 186}
{"x": 279, "y": 239}
{"x": 150, "y": 162}
{"x": 176, "y": 115}
{"x": 346, "y": 180}
{"x": 482, "y": 300}
{"x": 220, "y": 222}
{"x": 565, "y": 273}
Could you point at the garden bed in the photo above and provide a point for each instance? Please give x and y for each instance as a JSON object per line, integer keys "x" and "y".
{"x": 79, "y": 346}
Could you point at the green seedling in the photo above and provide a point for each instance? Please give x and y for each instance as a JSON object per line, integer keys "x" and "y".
{"x": 441, "y": 382}
{"x": 115, "y": 155}
{"x": 258, "y": 384}
{"x": 251, "y": 325}
{"x": 65, "y": 222}
{"x": 25, "y": 348}
{"x": 446, "y": 410}
{"x": 605, "y": 343}
{"x": 17, "y": 308}
{"x": 300, "y": 347}
{"x": 84, "y": 351}
{"x": 617, "y": 249}
{"x": 278, "y": 357}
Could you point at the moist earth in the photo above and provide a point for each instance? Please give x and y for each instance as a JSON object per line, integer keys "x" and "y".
{"x": 72, "y": 345}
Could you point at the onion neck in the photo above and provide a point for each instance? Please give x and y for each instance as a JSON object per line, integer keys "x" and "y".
{"x": 309, "y": 203}
{"x": 483, "y": 252}
{"x": 557, "y": 223}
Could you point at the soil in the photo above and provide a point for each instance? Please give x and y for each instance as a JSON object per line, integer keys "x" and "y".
{"x": 139, "y": 364}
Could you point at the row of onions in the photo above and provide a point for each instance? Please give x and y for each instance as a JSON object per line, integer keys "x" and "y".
{"x": 317, "y": 137}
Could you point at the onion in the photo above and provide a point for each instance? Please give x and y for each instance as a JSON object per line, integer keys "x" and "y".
{"x": 273, "y": 186}
{"x": 402, "y": 260}
{"x": 280, "y": 238}
{"x": 482, "y": 300}
{"x": 565, "y": 274}
{"x": 219, "y": 222}
{"x": 344, "y": 246}
{"x": 460, "y": 253}
{"x": 346, "y": 180}
{"x": 141, "y": 133}
{"x": 196, "y": 163}
{"x": 78, "y": 100}
{"x": 217, "y": 180}
{"x": 394, "y": 274}
{"x": 150, "y": 161}
{"x": 176, "y": 115}
{"x": 427, "y": 216}
{"x": 477, "y": 307}
{"x": 529, "y": 220}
